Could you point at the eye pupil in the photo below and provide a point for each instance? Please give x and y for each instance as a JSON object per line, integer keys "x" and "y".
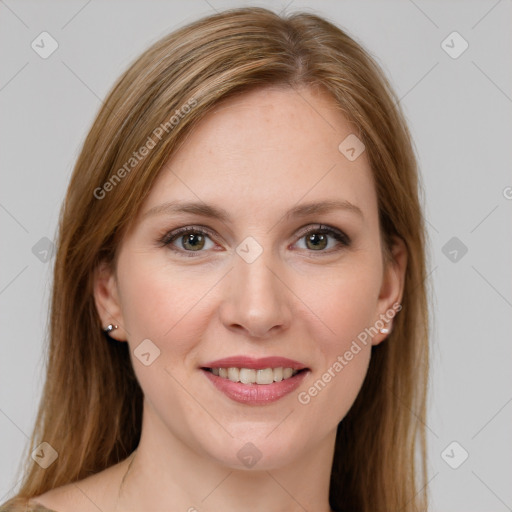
{"x": 314, "y": 238}
{"x": 190, "y": 240}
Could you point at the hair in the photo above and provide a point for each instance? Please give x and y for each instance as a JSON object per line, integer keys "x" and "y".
{"x": 91, "y": 405}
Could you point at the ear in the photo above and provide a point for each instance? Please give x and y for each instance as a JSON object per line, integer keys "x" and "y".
{"x": 392, "y": 288}
{"x": 107, "y": 301}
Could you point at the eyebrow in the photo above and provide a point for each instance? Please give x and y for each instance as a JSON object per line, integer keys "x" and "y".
{"x": 216, "y": 212}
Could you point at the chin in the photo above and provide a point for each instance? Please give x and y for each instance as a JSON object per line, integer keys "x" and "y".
{"x": 260, "y": 449}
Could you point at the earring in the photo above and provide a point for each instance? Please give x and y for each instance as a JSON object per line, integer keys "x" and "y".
{"x": 110, "y": 328}
{"x": 384, "y": 330}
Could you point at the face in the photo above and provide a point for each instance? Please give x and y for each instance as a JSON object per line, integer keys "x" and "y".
{"x": 274, "y": 278}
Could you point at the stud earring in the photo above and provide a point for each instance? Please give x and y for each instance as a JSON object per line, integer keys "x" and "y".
{"x": 109, "y": 328}
{"x": 384, "y": 330}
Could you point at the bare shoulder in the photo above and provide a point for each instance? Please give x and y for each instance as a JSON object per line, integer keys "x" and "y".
{"x": 96, "y": 492}
{"x": 22, "y": 505}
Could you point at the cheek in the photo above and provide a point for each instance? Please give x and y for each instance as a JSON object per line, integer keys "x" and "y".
{"x": 158, "y": 301}
{"x": 346, "y": 303}
{"x": 163, "y": 305}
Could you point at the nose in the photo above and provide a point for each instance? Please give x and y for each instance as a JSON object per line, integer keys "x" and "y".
{"x": 256, "y": 298}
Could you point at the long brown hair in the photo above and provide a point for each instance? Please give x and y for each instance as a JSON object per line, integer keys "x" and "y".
{"x": 91, "y": 406}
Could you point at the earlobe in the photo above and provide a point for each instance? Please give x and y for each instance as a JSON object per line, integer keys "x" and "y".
{"x": 107, "y": 302}
{"x": 392, "y": 289}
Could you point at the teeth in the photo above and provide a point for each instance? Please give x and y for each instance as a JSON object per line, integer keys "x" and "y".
{"x": 247, "y": 376}
{"x": 250, "y": 376}
{"x": 265, "y": 376}
{"x": 233, "y": 374}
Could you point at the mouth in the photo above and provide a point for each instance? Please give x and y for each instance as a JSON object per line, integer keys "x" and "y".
{"x": 255, "y": 381}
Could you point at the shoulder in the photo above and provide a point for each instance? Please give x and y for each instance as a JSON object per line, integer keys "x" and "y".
{"x": 23, "y": 505}
{"x": 93, "y": 493}
{"x": 60, "y": 499}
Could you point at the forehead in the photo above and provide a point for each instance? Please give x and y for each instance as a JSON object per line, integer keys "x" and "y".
{"x": 268, "y": 147}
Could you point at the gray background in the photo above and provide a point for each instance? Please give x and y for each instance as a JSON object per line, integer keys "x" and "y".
{"x": 459, "y": 112}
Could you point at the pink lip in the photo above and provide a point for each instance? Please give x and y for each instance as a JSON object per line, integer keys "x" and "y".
{"x": 254, "y": 394}
{"x": 255, "y": 364}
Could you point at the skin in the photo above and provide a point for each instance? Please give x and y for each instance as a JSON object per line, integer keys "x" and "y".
{"x": 257, "y": 156}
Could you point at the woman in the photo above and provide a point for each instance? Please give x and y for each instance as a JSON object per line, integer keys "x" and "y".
{"x": 239, "y": 314}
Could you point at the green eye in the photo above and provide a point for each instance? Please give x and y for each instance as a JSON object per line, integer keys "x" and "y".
{"x": 189, "y": 240}
{"x": 317, "y": 239}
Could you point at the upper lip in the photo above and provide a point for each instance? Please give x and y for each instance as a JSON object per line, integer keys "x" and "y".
{"x": 255, "y": 364}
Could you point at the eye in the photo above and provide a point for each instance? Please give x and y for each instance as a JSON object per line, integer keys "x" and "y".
{"x": 189, "y": 239}
{"x": 317, "y": 239}
{"x": 193, "y": 239}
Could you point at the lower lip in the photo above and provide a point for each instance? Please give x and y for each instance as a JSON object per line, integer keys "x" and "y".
{"x": 255, "y": 394}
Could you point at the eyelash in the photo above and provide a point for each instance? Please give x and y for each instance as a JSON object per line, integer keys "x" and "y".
{"x": 170, "y": 237}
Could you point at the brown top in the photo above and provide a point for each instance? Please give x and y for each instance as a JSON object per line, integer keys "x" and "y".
{"x": 23, "y": 505}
